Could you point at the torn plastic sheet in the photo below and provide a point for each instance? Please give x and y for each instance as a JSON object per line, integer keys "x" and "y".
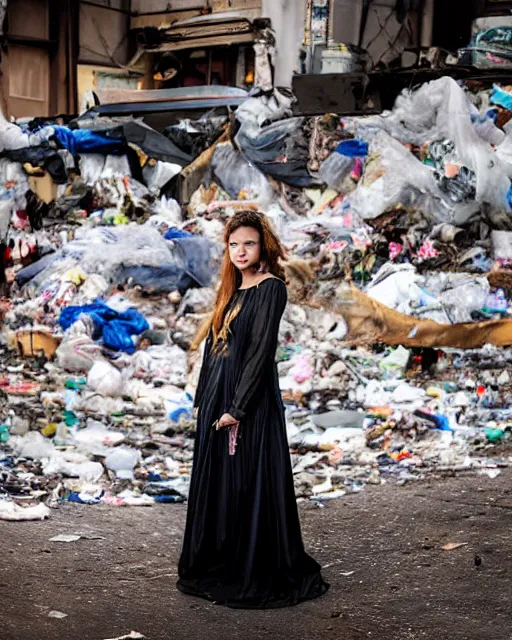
{"x": 133, "y": 255}
{"x": 237, "y": 175}
{"x": 441, "y": 110}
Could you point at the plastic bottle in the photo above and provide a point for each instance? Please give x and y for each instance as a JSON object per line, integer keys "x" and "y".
{"x": 4, "y": 432}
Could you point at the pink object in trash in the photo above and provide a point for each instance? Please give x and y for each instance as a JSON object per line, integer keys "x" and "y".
{"x": 395, "y": 249}
{"x": 427, "y": 250}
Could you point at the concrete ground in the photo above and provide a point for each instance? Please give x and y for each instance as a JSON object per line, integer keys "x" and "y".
{"x": 380, "y": 549}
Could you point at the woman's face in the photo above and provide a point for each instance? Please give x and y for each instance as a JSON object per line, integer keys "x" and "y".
{"x": 244, "y": 248}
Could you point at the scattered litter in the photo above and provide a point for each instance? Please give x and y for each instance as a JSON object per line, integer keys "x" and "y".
{"x": 59, "y": 615}
{"x": 133, "y": 635}
{"x": 65, "y": 538}
{"x": 451, "y": 546}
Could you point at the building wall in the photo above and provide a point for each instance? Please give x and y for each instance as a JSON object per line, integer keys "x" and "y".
{"x": 104, "y": 33}
{"x": 38, "y": 59}
{"x": 384, "y": 37}
{"x": 288, "y": 22}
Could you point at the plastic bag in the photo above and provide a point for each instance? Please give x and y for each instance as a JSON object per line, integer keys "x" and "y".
{"x": 265, "y": 107}
{"x": 179, "y": 407}
{"x": 33, "y": 445}
{"x": 335, "y": 169}
{"x": 78, "y": 353}
{"x": 162, "y": 362}
{"x": 236, "y": 176}
{"x": 135, "y": 252}
{"x": 73, "y": 465}
{"x": 169, "y": 209}
{"x": 11, "y": 136}
{"x": 13, "y": 172}
{"x": 13, "y": 512}
{"x": 96, "y": 436}
{"x": 267, "y": 144}
{"x": 394, "y": 365}
{"x": 392, "y": 176}
{"x": 441, "y": 110}
{"x": 502, "y": 246}
{"x": 105, "y": 379}
{"x": 194, "y": 136}
{"x": 116, "y": 166}
{"x": 465, "y": 296}
{"x": 123, "y": 460}
{"x": 158, "y": 176}
{"x": 91, "y": 167}
{"x": 93, "y": 288}
{"x": 6, "y": 209}
{"x": 114, "y": 329}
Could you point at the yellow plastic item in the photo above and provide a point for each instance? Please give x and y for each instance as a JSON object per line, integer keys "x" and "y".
{"x": 50, "y": 430}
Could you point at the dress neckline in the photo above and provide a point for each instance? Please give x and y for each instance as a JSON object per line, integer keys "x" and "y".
{"x": 255, "y": 286}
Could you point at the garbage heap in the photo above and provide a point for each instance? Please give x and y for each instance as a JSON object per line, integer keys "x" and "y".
{"x": 393, "y": 358}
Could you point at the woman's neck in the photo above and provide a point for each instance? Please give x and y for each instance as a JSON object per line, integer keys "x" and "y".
{"x": 250, "y": 277}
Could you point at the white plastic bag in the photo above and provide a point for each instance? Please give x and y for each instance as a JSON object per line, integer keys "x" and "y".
{"x": 78, "y": 353}
{"x": 123, "y": 460}
{"x": 441, "y": 110}
{"x": 158, "y": 175}
{"x": 105, "y": 379}
{"x": 34, "y": 445}
{"x": 394, "y": 176}
{"x": 235, "y": 174}
{"x": 13, "y": 512}
{"x": 11, "y": 136}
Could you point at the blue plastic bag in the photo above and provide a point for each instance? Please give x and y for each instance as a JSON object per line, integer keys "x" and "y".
{"x": 353, "y": 148}
{"x": 114, "y": 329}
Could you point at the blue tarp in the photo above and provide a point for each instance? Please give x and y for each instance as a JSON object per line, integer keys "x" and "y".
{"x": 113, "y": 328}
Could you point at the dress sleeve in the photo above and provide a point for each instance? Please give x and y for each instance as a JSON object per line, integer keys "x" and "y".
{"x": 261, "y": 349}
{"x": 202, "y": 375}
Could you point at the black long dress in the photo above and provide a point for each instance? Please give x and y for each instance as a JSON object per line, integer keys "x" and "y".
{"x": 243, "y": 545}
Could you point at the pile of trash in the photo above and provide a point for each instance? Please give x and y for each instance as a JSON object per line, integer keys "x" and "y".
{"x": 393, "y": 355}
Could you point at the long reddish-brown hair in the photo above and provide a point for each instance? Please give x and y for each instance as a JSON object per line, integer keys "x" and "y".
{"x": 271, "y": 253}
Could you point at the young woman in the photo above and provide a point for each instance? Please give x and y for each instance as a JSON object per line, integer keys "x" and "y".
{"x": 243, "y": 545}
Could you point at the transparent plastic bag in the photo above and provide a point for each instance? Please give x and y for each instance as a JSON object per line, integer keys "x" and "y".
{"x": 78, "y": 353}
{"x": 335, "y": 169}
{"x": 236, "y": 175}
{"x": 393, "y": 175}
{"x": 465, "y": 298}
{"x": 441, "y": 110}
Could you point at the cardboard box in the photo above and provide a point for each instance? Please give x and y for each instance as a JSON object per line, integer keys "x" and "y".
{"x": 44, "y": 187}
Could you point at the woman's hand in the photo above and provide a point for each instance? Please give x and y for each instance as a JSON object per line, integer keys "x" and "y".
{"x": 227, "y": 420}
